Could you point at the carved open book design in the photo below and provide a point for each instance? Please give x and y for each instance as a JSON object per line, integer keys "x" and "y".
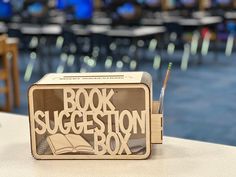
{"x": 70, "y": 143}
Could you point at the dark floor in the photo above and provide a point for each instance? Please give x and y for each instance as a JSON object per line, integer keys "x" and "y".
{"x": 200, "y": 103}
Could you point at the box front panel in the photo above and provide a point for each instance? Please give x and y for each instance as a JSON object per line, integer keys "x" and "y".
{"x": 90, "y": 121}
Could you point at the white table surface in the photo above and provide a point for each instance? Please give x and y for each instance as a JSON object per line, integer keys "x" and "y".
{"x": 102, "y": 21}
{"x": 152, "y": 21}
{"x": 3, "y": 28}
{"x": 200, "y": 21}
{"x": 117, "y": 31}
{"x": 89, "y": 29}
{"x": 41, "y": 30}
{"x": 175, "y": 158}
{"x": 135, "y": 31}
{"x": 230, "y": 15}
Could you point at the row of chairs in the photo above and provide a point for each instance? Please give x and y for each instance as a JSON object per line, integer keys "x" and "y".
{"x": 71, "y": 46}
{"x": 80, "y": 51}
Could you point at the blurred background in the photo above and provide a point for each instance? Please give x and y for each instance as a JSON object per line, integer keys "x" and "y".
{"x": 197, "y": 36}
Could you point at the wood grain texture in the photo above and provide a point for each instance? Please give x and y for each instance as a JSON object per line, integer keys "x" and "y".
{"x": 156, "y": 128}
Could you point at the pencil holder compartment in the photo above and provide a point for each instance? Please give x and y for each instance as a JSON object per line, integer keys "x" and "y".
{"x": 156, "y": 124}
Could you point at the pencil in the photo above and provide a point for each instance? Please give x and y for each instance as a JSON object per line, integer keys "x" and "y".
{"x": 162, "y": 95}
{"x": 167, "y": 75}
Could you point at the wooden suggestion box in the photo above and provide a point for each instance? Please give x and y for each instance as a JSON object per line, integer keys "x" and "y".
{"x": 94, "y": 116}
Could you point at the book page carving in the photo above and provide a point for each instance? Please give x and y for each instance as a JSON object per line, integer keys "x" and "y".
{"x": 61, "y": 144}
